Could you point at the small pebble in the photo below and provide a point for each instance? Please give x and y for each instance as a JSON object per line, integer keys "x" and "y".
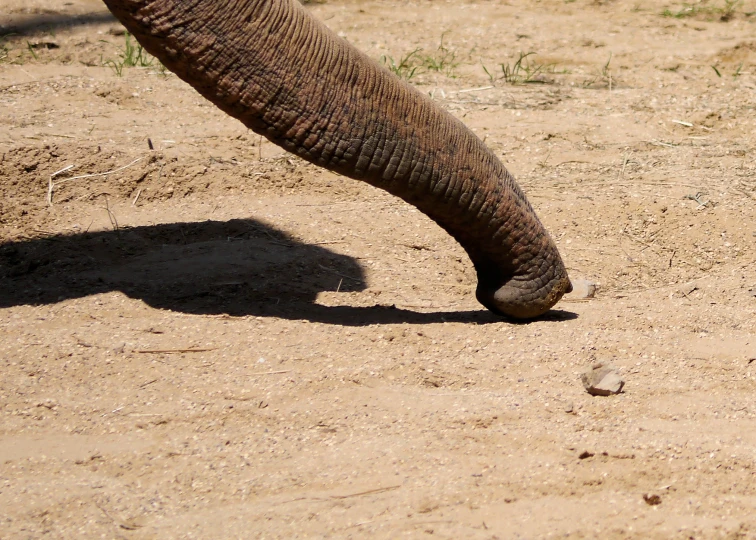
{"x": 602, "y": 380}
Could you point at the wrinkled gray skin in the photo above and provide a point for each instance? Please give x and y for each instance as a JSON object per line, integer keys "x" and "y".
{"x": 270, "y": 64}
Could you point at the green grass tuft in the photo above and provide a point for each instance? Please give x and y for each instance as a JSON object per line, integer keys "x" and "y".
{"x": 132, "y": 55}
{"x": 603, "y": 77}
{"x": 524, "y": 70}
{"x": 405, "y": 68}
{"x": 442, "y": 60}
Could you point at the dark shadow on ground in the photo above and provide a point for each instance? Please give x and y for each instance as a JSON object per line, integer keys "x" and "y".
{"x": 50, "y": 22}
{"x": 239, "y": 267}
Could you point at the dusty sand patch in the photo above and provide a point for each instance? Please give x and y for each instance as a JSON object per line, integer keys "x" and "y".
{"x": 221, "y": 340}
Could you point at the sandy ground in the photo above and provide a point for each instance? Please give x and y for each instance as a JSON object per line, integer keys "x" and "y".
{"x": 220, "y": 340}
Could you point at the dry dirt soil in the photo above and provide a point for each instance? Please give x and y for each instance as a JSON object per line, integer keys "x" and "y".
{"x": 204, "y": 337}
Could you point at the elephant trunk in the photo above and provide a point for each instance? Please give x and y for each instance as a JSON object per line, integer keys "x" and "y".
{"x": 283, "y": 74}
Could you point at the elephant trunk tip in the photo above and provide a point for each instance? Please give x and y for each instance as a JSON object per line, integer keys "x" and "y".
{"x": 523, "y": 299}
{"x": 568, "y": 288}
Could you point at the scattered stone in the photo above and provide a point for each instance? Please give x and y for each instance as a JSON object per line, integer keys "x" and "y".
{"x": 569, "y": 408}
{"x": 583, "y": 289}
{"x": 652, "y": 500}
{"x": 602, "y": 380}
{"x": 586, "y": 454}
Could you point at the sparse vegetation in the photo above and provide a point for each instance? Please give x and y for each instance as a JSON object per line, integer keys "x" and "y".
{"x": 5, "y": 48}
{"x": 525, "y": 70}
{"x": 602, "y": 78}
{"x": 688, "y": 10}
{"x": 724, "y": 12}
{"x": 442, "y": 61}
{"x": 729, "y": 9}
{"x": 132, "y": 55}
{"x": 737, "y": 73}
{"x": 405, "y": 68}
{"x": 31, "y": 50}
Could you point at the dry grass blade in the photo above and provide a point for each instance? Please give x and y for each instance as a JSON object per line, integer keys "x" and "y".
{"x": 368, "y": 492}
